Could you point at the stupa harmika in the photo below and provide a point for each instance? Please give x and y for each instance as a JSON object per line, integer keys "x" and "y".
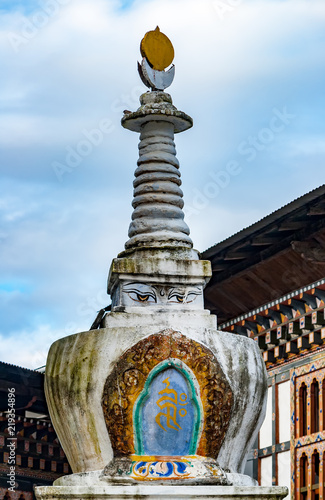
{"x": 157, "y": 403}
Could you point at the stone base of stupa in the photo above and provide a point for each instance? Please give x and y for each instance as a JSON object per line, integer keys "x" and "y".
{"x": 160, "y": 492}
{"x": 97, "y": 485}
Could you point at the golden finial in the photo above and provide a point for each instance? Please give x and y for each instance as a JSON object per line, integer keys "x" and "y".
{"x": 157, "y": 49}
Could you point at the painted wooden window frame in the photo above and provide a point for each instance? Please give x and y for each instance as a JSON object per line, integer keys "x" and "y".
{"x": 311, "y": 442}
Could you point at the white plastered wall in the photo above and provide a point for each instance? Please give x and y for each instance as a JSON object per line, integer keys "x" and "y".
{"x": 266, "y": 471}
{"x": 266, "y": 429}
{"x": 284, "y": 470}
{"x": 284, "y": 411}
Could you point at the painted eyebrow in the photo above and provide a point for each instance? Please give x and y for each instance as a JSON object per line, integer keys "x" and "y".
{"x": 138, "y": 292}
{"x": 136, "y": 285}
{"x": 175, "y": 291}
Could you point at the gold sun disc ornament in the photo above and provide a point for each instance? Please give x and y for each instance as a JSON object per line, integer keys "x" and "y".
{"x": 157, "y": 49}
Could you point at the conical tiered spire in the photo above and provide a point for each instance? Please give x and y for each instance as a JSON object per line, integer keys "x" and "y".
{"x": 159, "y": 252}
{"x": 158, "y": 219}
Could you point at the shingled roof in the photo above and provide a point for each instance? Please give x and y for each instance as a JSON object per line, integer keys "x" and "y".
{"x": 29, "y": 389}
{"x": 281, "y": 252}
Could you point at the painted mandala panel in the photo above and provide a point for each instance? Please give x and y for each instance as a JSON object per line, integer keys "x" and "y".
{"x": 167, "y": 395}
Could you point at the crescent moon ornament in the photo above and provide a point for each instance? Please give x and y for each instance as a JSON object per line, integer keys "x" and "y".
{"x": 156, "y": 80}
{"x": 158, "y": 53}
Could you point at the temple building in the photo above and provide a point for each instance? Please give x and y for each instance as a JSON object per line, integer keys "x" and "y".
{"x": 268, "y": 284}
{"x": 39, "y": 457}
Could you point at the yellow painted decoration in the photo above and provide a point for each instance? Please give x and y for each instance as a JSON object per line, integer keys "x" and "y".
{"x": 157, "y": 49}
{"x": 170, "y": 403}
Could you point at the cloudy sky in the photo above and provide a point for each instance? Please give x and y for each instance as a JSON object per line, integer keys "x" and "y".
{"x": 249, "y": 72}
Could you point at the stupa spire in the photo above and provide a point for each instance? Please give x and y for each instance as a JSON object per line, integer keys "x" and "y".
{"x": 158, "y": 218}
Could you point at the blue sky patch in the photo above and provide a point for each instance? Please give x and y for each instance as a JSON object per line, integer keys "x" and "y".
{"x": 14, "y": 286}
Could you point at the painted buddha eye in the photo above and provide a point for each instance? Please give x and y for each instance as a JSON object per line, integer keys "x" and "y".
{"x": 176, "y": 298}
{"x": 136, "y": 296}
{"x": 142, "y": 298}
{"x": 192, "y": 295}
{"x": 183, "y": 296}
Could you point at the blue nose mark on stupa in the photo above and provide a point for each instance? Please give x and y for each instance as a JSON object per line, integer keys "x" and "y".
{"x": 167, "y": 415}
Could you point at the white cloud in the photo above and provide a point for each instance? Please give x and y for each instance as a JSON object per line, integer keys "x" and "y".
{"x": 215, "y": 224}
{"x": 79, "y": 68}
{"x": 28, "y": 348}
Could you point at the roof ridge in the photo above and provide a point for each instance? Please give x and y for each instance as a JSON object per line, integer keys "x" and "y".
{"x": 17, "y": 366}
{"x": 314, "y": 193}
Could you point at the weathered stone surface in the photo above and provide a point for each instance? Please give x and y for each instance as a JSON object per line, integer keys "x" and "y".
{"x": 151, "y": 270}
{"x": 116, "y": 473}
{"x": 157, "y": 106}
{"x": 116, "y": 492}
{"x": 78, "y": 367}
{"x": 158, "y": 219}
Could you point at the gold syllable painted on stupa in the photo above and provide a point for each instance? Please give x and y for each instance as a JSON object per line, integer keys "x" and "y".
{"x": 169, "y": 403}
